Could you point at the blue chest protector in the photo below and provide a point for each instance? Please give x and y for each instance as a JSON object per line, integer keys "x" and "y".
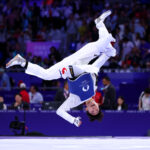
{"x": 83, "y": 86}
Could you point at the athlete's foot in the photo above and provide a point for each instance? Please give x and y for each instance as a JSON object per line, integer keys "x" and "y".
{"x": 17, "y": 60}
{"x": 102, "y": 17}
{"x": 112, "y": 38}
{"x": 110, "y": 51}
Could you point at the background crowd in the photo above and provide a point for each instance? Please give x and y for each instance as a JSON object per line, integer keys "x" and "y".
{"x": 72, "y": 23}
{"x": 107, "y": 99}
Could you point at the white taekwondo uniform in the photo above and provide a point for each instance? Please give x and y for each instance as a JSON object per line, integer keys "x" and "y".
{"x": 79, "y": 60}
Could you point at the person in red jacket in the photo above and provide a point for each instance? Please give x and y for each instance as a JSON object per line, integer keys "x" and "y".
{"x": 98, "y": 98}
{"x": 24, "y": 93}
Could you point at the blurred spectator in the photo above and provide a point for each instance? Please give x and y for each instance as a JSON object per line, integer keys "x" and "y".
{"x": 35, "y": 96}
{"x": 98, "y": 98}
{"x": 109, "y": 94}
{"x": 146, "y": 59}
{"x": 24, "y": 93}
{"x": 69, "y": 21}
{"x": 41, "y": 35}
{"x": 67, "y": 9}
{"x": 113, "y": 62}
{"x": 19, "y": 104}
{"x": 138, "y": 28}
{"x": 81, "y": 43}
{"x": 127, "y": 62}
{"x": 35, "y": 59}
{"x": 29, "y": 56}
{"x": 71, "y": 29}
{"x": 144, "y": 100}
{"x": 2, "y": 105}
{"x": 55, "y": 34}
{"x": 54, "y": 56}
{"x": 4, "y": 80}
{"x": 127, "y": 47}
{"x": 121, "y": 104}
{"x": 137, "y": 40}
{"x": 62, "y": 93}
{"x": 83, "y": 28}
{"x": 135, "y": 57}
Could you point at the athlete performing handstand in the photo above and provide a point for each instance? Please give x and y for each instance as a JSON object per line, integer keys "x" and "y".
{"x": 81, "y": 70}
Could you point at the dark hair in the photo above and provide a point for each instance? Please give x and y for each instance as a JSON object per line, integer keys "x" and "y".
{"x": 18, "y": 94}
{"x": 147, "y": 91}
{"x": 35, "y": 87}
{"x": 98, "y": 117}
{"x": 106, "y": 78}
{"x": 121, "y": 97}
{"x": 125, "y": 39}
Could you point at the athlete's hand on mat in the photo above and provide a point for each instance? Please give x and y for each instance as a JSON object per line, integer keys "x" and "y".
{"x": 77, "y": 121}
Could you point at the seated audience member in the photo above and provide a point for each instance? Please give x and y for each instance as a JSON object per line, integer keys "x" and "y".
{"x": 2, "y": 105}
{"x": 109, "y": 94}
{"x": 54, "y": 55}
{"x": 19, "y": 104}
{"x": 35, "y": 96}
{"x": 24, "y": 93}
{"x": 81, "y": 43}
{"x": 121, "y": 104}
{"x": 144, "y": 100}
{"x": 4, "y": 81}
{"x": 62, "y": 93}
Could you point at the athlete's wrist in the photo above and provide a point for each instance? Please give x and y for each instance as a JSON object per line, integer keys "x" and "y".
{"x": 77, "y": 121}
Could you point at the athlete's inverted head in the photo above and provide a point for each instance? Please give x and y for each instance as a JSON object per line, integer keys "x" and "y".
{"x": 92, "y": 107}
{"x": 93, "y": 110}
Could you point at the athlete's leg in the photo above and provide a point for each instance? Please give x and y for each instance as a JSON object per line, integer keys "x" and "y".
{"x": 94, "y": 68}
{"x": 103, "y": 44}
{"x": 108, "y": 49}
{"x": 100, "y": 61}
{"x": 103, "y": 32}
{"x": 51, "y": 73}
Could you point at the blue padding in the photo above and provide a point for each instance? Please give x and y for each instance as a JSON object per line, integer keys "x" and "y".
{"x": 83, "y": 86}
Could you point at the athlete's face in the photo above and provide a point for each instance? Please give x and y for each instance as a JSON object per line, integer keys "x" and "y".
{"x": 92, "y": 107}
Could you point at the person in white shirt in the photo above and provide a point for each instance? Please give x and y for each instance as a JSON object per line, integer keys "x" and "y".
{"x": 144, "y": 100}
{"x": 81, "y": 69}
{"x": 34, "y": 95}
{"x": 127, "y": 47}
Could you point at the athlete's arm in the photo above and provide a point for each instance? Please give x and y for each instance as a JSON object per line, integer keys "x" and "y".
{"x": 71, "y": 102}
